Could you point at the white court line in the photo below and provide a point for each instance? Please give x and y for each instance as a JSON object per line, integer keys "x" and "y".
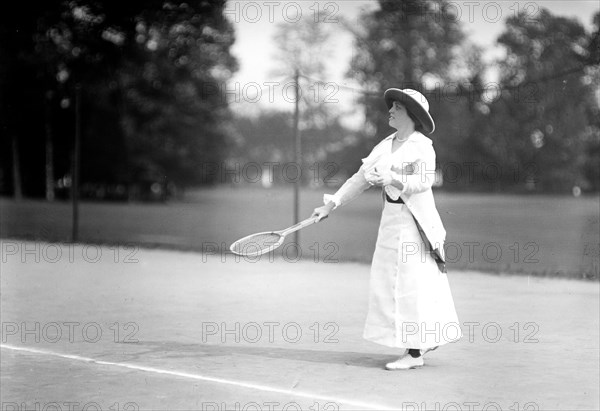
{"x": 258, "y": 387}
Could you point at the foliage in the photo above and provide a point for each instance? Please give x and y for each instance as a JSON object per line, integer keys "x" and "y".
{"x": 150, "y": 72}
{"x": 400, "y": 45}
{"x": 267, "y": 142}
{"x": 541, "y": 121}
{"x": 301, "y": 47}
{"x": 541, "y": 131}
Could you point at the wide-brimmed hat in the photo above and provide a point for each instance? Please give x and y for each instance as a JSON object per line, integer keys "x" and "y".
{"x": 415, "y": 103}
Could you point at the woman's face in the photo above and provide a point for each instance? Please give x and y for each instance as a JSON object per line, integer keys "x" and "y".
{"x": 398, "y": 116}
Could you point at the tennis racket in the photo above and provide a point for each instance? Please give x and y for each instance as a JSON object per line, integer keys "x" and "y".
{"x": 261, "y": 243}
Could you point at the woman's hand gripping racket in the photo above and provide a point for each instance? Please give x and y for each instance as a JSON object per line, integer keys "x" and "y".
{"x": 262, "y": 243}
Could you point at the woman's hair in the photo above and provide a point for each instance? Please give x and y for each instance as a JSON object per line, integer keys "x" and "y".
{"x": 418, "y": 125}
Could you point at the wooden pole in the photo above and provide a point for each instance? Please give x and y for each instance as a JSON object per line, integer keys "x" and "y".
{"x": 17, "y": 182}
{"x": 297, "y": 156}
{"x": 75, "y": 165}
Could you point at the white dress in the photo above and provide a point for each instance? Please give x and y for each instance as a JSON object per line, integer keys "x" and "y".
{"x": 410, "y": 302}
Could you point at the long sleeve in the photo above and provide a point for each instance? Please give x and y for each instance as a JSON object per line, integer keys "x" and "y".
{"x": 351, "y": 189}
{"x": 423, "y": 176}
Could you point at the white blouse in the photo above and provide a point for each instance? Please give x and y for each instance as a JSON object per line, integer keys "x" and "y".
{"x": 413, "y": 164}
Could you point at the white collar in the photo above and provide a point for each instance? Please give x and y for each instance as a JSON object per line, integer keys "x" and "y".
{"x": 415, "y": 136}
{"x": 382, "y": 150}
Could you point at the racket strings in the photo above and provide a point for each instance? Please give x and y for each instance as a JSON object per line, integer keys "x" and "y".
{"x": 255, "y": 243}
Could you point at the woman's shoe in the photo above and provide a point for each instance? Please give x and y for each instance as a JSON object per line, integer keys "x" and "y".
{"x": 405, "y": 363}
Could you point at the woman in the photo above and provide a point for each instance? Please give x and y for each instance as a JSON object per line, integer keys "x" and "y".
{"x": 410, "y": 303}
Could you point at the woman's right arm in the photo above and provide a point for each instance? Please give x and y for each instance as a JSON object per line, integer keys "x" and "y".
{"x": 351, "y": 189}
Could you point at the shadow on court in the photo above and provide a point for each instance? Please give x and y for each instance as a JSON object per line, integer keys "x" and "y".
{"x": 173, "y": 349}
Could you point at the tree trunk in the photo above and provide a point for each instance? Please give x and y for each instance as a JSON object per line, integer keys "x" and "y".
{"x": 49, "y": 151}
{"x": 16, "y": 169}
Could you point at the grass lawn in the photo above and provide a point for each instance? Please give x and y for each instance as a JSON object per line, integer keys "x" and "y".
{"x": 536, "y": 235}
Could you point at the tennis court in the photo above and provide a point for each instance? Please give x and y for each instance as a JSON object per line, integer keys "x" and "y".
{"x": 92, "y": 327}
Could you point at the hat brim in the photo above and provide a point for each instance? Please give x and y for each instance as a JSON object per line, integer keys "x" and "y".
{"x": 395, "y": 94}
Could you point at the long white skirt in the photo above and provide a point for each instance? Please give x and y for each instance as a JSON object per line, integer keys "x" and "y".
{"x": 410, "y": 303}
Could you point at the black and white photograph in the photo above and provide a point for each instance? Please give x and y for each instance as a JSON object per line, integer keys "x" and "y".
{"x": 300, "y": 205}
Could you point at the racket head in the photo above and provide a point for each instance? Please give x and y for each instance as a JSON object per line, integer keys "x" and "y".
{"x": 257, "y": 244}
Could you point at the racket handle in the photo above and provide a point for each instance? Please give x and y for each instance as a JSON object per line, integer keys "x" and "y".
{"x": 300, "y": 225}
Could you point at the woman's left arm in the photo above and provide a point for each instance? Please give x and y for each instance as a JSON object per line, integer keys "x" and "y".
{"x": 421, "y": 178}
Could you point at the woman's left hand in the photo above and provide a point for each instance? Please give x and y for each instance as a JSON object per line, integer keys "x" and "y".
{"x": 379, "y": 179}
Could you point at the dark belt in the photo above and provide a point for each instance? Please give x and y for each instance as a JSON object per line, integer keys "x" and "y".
{"x": 389, "y": 200}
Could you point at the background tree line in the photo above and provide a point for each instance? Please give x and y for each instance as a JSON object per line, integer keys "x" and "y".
{"x": 151, "y": 75}
{"x": 535, "y": 129}
{"x": 147, "y": 71}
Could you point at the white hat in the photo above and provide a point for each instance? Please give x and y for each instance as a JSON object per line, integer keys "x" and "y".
{"x": 415, "y": 103}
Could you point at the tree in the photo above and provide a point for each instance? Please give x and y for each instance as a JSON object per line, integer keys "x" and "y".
{"x": 538, "y": 125}
{"x": 174, "y": 107}
{"x": 21, "y": 93}
{"x": 302, "y": 45}
{"x": 303, "y": 48}
{"x": 403, "y": 44}
{"x": 592, "y": 166}
{"x": 262, "y": 145}
{"x": 151, "y": 74}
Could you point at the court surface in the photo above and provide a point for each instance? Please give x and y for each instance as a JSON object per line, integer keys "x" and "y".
{"x": 89, "y": 327}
